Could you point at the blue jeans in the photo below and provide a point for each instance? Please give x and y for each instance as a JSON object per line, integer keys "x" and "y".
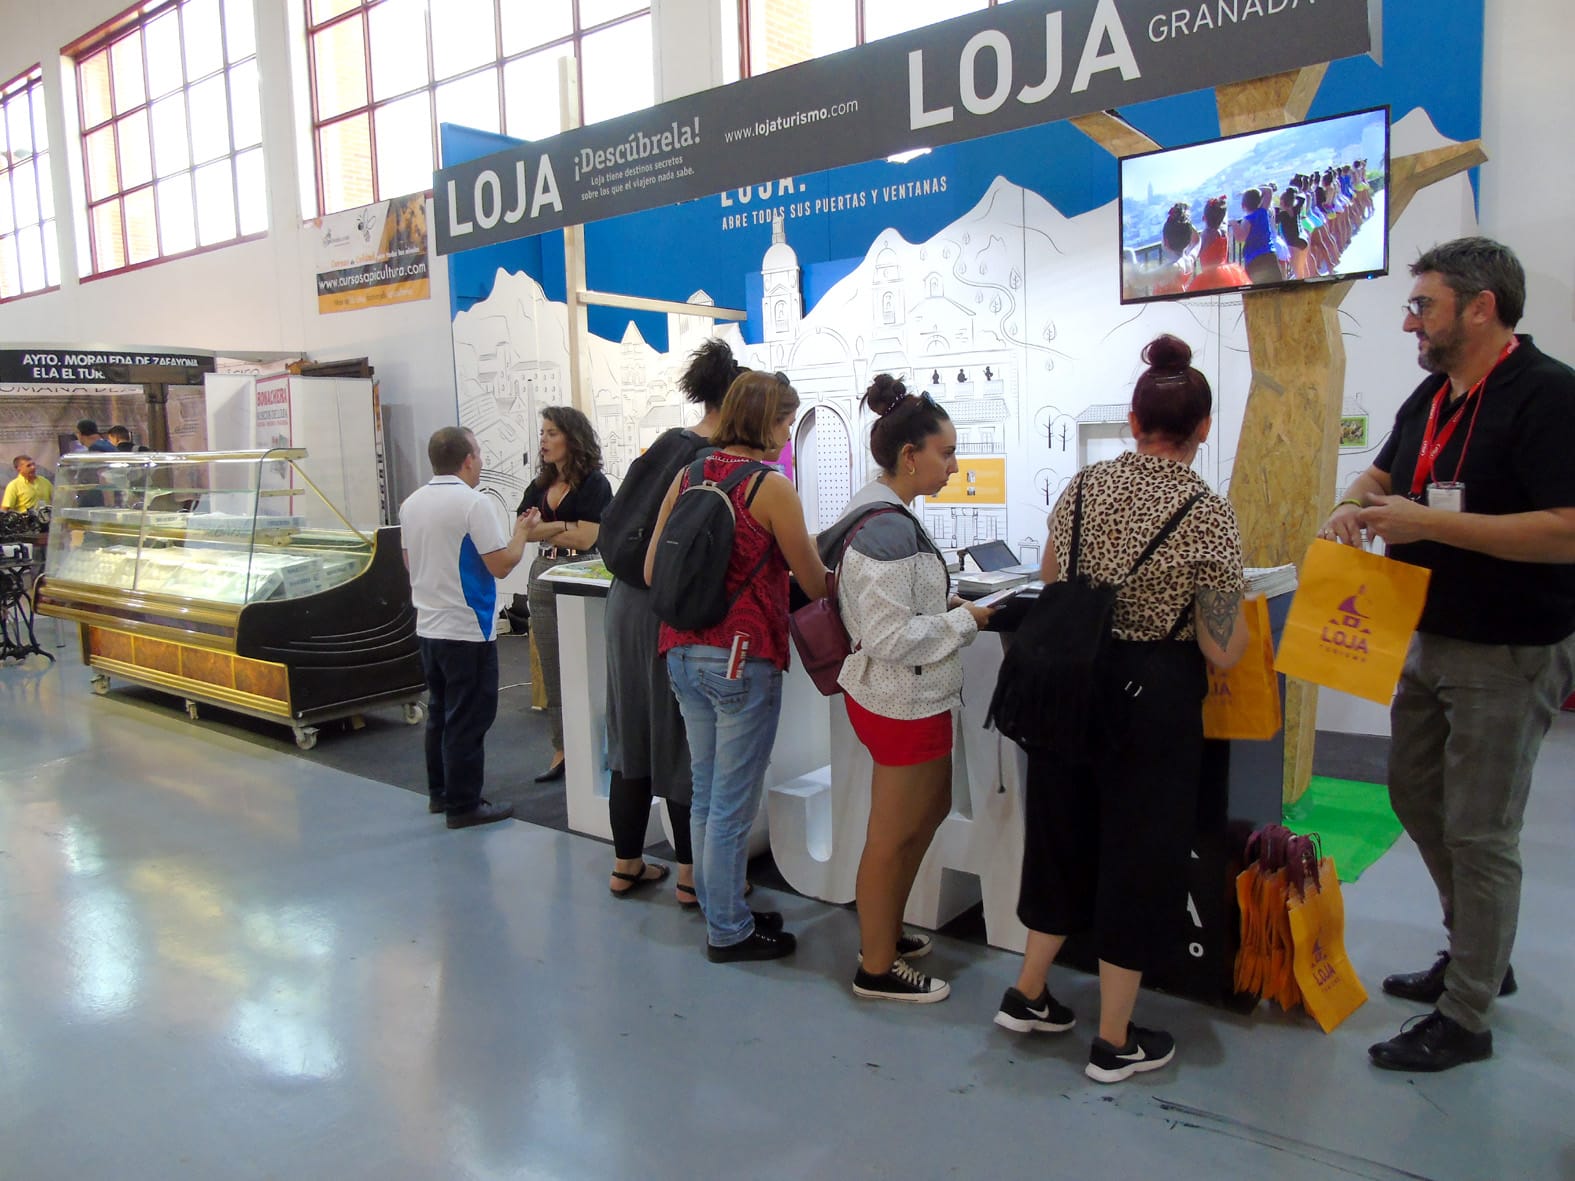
{"x": 732, "y": 726}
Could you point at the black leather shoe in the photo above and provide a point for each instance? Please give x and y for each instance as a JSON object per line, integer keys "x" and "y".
{"x": 762, "y": 945}
{"x": 482, "y": 813}
{"x": 552, "y": 773}
{"x": 769, "y": 921}
{"x": 436, "y": 804}
{"x": 1434, "y": 1042}
{"x": 1426, "y": 987}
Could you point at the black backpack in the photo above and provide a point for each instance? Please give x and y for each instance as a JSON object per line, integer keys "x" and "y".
{"x": 627, "y": 522}
{"x": 689, "y": 576}
{"x": 1047, "y": 695}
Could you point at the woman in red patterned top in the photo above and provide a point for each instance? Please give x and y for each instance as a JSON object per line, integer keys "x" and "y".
{"x": 731, "y": 704}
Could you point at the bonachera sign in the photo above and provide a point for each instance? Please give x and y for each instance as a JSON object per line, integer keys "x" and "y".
{"x": 1017, "y": 65}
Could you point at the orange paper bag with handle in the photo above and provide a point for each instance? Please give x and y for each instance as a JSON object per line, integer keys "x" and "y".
{"x": 1352, "y": 620}
{"x": 1244, "y": 700}
{"x": 1329, "y": 986}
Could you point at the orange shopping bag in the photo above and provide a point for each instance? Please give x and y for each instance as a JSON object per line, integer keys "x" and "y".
{"x": 1244, "y": 700}
{"x": 1330, "y": 989}
{"x": 1351, "y": 620}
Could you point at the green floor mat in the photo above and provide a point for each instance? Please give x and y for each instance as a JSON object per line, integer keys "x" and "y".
{"x": 1354, "y": 820}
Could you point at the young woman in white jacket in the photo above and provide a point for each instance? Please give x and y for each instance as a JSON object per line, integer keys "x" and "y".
{"x": 903, "y": 680}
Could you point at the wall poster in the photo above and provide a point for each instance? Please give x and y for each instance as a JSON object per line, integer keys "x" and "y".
{"x": 372, "y": 256}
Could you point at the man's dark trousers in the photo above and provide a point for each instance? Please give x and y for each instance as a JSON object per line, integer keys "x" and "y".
{"x": 462, "y": 701}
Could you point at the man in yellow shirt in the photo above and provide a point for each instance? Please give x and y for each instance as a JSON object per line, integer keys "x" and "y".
{"x": 29, "y": 490}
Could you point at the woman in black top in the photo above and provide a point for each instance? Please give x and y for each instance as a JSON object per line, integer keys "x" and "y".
{"x": 563, "y": 511}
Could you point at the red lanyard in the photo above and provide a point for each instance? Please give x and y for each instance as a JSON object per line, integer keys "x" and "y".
{"x": 1434, "y": 441}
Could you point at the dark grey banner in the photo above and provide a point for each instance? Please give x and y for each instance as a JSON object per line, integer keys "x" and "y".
{"x": 1017, "y": 65}
{"x": 89, "y": 366}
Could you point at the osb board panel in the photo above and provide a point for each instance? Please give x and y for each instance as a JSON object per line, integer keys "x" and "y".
{"x": 110, "y": 644}
{"x": 1283, "y": 481}
{"x": 159, "y": 655}
{"x": 1301, "y": 728}
{"x": 262, "y": 679}
{"x": 1268, "y": 102}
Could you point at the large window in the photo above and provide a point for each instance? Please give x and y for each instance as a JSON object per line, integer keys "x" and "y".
{"x": 171, "y": 131}
{"x": 777, "y": 33}
{"x": 29, "y": 250}
{"x": 385, "y": 73}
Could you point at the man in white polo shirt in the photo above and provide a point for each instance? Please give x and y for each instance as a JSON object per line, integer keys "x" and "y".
{"x": 456, "y": 550}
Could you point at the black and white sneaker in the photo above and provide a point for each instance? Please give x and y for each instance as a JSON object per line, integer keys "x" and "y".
{"x": 911, "y": 946}
{"x": 1146, "y": 1049}
{"x": 902, "y": 982}
{"x": 1045, "y": 1015}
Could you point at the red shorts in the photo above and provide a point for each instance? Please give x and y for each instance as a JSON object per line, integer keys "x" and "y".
{"x": 894, "y": 742}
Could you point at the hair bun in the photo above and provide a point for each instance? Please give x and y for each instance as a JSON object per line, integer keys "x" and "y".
{"x": 885, "y": 394}
{"x": 1167, "y": 353}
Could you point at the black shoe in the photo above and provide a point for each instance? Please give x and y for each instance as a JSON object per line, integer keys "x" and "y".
{"x": 1426, "y": 987}
{"x": 1146, "y": 1049}
{"x": 901, "y": 982}
{"x": 910, "y": 946}
{"x": 553, "y": 772}
{"x": 762, "y": 945}
{"x": 769, "y": 921}
{"x": 482, "y": 813}
{"x": 1429, "y": 1043}
{"x": 1045, "y": 1015}
{"x": 436, "y": 804}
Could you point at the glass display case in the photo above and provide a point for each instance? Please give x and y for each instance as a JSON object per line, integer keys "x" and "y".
{"x": 230, "y": 578}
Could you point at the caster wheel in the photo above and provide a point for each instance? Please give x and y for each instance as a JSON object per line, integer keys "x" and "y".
{"x": 306, "y": 737}
{"x": 415, "y": 713}
{"x": 191, "y": 710}
{"x": 100, "y": 684}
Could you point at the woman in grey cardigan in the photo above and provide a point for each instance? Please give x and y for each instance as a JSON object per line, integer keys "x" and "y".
{"x": 903, "y": 680}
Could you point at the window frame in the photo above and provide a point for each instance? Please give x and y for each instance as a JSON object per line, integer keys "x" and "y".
{"x": 102, "y": 39}
{"x": 361, "y": 9}
{"x": 28, "y": 85}
{"x": 745, "y": 62}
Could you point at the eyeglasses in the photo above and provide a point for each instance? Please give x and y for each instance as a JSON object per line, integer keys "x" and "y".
{"x": 1419, "y": 304}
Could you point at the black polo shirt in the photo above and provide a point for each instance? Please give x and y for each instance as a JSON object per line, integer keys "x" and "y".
{"x": 1521, "y": 459}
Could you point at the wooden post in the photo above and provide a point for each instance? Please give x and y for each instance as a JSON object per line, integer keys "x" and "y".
{"x": 581, "y": 396}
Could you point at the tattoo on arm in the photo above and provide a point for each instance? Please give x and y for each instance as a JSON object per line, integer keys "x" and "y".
{"x": 1218, "y": 611}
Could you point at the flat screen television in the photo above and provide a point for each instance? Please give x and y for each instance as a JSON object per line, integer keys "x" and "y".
{"x": 1298, "y": 204}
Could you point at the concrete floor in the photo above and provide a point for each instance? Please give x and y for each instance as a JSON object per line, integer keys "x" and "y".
{"x": 218, "y": 961}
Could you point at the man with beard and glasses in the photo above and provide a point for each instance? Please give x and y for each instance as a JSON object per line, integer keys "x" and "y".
{"x": 1476, "y": 484}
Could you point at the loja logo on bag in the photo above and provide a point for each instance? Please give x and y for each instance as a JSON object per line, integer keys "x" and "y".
{"x": 1347, "y": 631}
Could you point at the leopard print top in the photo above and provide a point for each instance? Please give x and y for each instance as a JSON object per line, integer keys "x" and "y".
{"x": 1125, "y": 503}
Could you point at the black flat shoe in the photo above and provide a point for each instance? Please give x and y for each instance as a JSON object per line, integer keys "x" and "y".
{"x": 1427, "y": 987}
{"x": 1431, "y": 1043}
{"x": 553, "y": 772}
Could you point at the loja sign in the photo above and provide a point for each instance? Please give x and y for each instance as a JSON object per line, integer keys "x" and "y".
{"x": 1013, "y": 66}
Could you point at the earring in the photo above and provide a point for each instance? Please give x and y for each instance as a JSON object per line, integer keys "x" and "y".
{"x": 910, "y": 469}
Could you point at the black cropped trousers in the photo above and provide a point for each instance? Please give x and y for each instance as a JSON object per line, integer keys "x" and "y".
{"x": 1107, "y": 841}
